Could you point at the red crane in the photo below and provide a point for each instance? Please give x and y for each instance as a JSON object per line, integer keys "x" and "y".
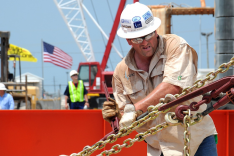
{"x": 93, "y": 73}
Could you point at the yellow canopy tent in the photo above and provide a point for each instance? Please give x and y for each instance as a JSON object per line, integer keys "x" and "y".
{"x": 24, "y": 54}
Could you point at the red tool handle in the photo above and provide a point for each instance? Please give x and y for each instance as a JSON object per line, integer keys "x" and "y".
{"x": 106, "y": 90}
{"x": 115, "y": 121}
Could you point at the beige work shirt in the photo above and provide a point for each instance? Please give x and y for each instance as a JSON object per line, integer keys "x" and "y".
{"x": 174, "y": 62}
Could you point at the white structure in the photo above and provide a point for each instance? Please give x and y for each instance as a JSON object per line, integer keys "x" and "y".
{"x": 73, "y": 16}
{"x": 32, "y": 80}
{"x": 201, "y": 74}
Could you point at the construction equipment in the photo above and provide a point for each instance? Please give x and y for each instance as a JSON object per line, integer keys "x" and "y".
{"x": 165, "y": 12}
{"x": 92, "y": 74}
{"x": 21, "y": 92}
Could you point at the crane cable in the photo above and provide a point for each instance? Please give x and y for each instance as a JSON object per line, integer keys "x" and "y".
{"x": 113, "y": 20}
{"x": 101, "y": 34}
{"x": 97, "y": 21}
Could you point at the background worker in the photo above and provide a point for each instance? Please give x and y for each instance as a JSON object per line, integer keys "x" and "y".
{"x": 154, "y": 67}
{"x": 6, "y": 100}
{"x": 77, "y": 92}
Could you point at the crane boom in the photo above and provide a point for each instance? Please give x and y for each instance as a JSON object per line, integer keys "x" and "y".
{"x": 102, "y": 31}
{"x": 112, "y": 34}
{"x": 72, "y": 13}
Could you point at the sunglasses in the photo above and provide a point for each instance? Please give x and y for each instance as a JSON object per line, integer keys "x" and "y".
{"x": 141, "y": 39}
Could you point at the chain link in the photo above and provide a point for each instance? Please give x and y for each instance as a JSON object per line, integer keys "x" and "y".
{"x": 122, "y": 132}
{"x": 187, "y": 136}
{"x": 139, "y": 137}
{"x": 154, "y": 113}
{"x": 209, "y": 77}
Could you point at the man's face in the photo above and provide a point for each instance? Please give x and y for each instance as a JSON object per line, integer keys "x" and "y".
{"x": 74, "y": 77}
{"x": 2, "y": 92}
{"x": 147, "y": 47}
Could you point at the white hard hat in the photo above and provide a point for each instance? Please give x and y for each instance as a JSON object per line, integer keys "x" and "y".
{"x": 2, "y": 86}
{"x": 137, "y": 20}
{"x": 73, "y": 72}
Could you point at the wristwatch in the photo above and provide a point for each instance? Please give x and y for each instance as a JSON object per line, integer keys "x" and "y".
{"x": 86, "y": 101}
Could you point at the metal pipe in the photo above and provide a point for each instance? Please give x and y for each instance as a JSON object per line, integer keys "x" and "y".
{"x": 207, "y": 49}
{"x": 26, "y": 91}
{"x": 14, "y": 69}
{"x": 203, "y": 3}
{"x": 67, "y": 77}
{"x": 13, "y": 84}
{"x": 5, "y": 35}
{"x": 54, "y": 87}
{"x": 200, "y": 53}
{"x": 20, "y": 71}
{"x": 42, "y": 69}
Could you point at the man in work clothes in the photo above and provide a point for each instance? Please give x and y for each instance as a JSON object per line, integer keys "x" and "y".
{"x": 155, "y": 67}
{"x": 6, "y": 100}
{"x": 77, "y": 92}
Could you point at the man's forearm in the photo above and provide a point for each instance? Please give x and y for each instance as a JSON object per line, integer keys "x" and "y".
{"x": 159, "y": 92}
{"x": 66, "y": 97}
{"x": 86, "y": 98}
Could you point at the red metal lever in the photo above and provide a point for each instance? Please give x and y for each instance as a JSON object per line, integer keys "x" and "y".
{"x": 223, "y": 101}
{"x": 106, "y": 90}
{"x": 115, "y": 120}
{"x": 221, "y": 85}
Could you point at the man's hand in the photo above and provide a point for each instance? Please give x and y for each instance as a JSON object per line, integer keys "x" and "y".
{"x": 66, "y": 106}
{"x": 168, "y": 98}
{"x": 130, "y": 115}
{"x": 110, "y": 109}
{"x": 87, "y": 104}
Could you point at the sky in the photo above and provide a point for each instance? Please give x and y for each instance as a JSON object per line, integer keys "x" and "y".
{"x": 30, "y": 22}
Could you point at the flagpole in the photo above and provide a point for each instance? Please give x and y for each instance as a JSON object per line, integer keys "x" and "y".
{"x": 42, "y": 67}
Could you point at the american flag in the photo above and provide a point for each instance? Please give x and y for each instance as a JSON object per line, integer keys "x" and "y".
{"x": 56, "y": 56}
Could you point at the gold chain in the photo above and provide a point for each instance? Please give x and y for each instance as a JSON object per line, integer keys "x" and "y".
{"x": 209, "y": 77}
{"x": 124, "y": 131}
{"x": 139, "y": 137}
{"x": 187, "y": 135}
{"x": 154, "y": 113}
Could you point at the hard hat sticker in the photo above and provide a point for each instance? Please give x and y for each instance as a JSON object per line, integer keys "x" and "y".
{"x": 147, "y": 15}
{"x": 149, "y": 20}
{"x": 127, "y": 21}
{"x": 136, "y": 18}
{"x": 126, "y": 26}
{"x": 137, "y": 24}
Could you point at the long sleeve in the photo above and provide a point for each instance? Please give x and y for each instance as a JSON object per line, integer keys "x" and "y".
{"x": 11, "y": 102}
{"x": 118, "y": 90}
{"x": 181, "y": 65}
